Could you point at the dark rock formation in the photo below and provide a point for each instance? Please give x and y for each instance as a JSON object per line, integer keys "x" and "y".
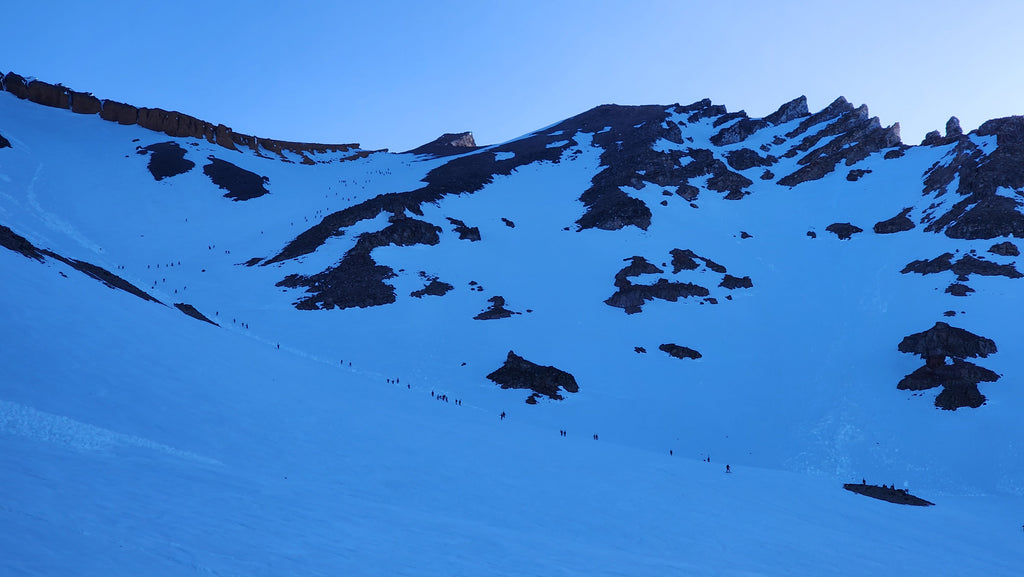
{"x": 169, "y": 122}
{"x": 883, "y": 493}
{"x": 982, "y": 213}
{"x": 959, "y": 290}
{"x": 4, "y": 143}
{"x": 932, "y": 138}
{"x": 938, "y": 264}
{"x": 16, "y": 85}
{"x": 679, "y": 352}
{"x": 856, "y": 174}
{"x": 192, "y": 312}
{"x": 730, "y": 282}
{"x": 812, "y": 234}
{"x": 963, "y": 268}
{"x": 119, "y": 112}
{"x": 739, "y": 131}
{"x": 240, "y": 183}
{"x": 943, "y": 341}
{"x": 55, "y": 96}
{"x": 953, "y": 134}
{"x": 508, "y": 222}
{"x": 843, "y": 230}
{"x": 1004, "y": 249}
{"x": 166, "y": 159}
{"x": 84, "y": 103}
{"x": 796, "y": 108}
{"x": 358, "y": 281}
{"x": 519, "y": 373}
{"x": 640, "y": 349}
{"x": 855, "y": 137}
{"x": 448, "y": 144}
{"x": 465, "y": 232}
{"x": 959, "y": 381}
{"x": 637, "y": 266}
{"x": 19, "y": 244}
{"x": 434, "y": 288}
{"x": 497, "y": 310}
{"x": 898, "y": 223}
{"x": 960, "y": 378}
{"x": 632, "y": 297}
{"x": 686, "y": 259}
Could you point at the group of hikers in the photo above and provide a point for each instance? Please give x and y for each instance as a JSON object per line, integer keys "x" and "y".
{"x": 561, "y": 432}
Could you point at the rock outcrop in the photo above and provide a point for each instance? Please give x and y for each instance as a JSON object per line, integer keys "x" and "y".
{"x": 171, "y": 123}
{"x": 843, "y": 230}
{"x": 899, "y": 223}
{"x": 679, "y": 352}
{"x": 960, "y": 378}
{"x": 241, "y": 184}
{"x": 166, "y": 159}
{"x": 497, "y": 310}
{"x": 519, "y": 373}
{"x": 447, "y": 144}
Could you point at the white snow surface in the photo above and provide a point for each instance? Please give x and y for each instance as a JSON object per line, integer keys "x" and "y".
{"x": 136, "y": 440}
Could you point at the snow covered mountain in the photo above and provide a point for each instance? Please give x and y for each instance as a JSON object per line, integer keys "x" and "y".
{"x": 238, "y": 355}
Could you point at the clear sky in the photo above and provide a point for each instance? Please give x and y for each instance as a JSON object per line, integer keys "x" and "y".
{"x": 396, "y": 74}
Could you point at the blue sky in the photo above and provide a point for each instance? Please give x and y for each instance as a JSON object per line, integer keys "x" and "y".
{"x": 397, "y": 74}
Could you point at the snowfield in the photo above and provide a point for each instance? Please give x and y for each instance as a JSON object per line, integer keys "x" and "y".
{"x": 136, "y": 440}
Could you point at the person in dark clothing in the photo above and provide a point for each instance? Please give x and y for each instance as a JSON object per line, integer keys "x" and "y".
{"x": 727, "y": 469}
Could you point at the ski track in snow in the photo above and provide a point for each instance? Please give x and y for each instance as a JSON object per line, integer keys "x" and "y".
{"x": 23, "y": 421}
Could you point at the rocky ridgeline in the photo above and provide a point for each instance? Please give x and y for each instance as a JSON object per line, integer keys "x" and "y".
{"x": 982, "y": 213}
{"x": 169, "y": 122}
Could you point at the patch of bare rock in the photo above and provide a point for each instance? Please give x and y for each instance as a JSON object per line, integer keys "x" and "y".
{"x": 166, "y": 159}
{"x": 241, "y": 184}
{"x": 679, "y": 352}
{"x": 519, "y": 373}
{"x": 497, "y": 310}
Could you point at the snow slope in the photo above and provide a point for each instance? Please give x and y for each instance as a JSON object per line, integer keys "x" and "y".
{"x": 138, "y": 439}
